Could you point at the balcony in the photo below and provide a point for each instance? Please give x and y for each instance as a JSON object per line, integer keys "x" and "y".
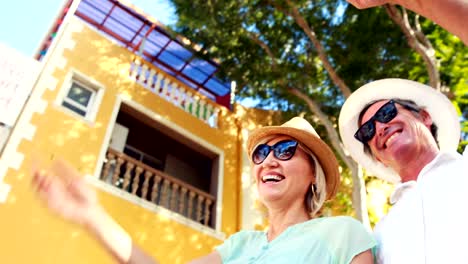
{"x": 175, "y": 92}
{"x": 162, "y": 62}
{"x": 152, "y": 185}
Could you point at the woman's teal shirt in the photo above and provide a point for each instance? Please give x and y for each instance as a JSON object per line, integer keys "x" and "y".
{"x": 327, "y": 240}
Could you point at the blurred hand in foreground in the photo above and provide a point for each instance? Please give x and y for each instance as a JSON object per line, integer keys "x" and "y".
{"x": 361, "y": 4}
{"x": 65, "y": 192}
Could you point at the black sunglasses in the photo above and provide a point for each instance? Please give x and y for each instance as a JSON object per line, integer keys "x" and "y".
{"x": 384, "y": 115}
{"x": 283, "y": 150}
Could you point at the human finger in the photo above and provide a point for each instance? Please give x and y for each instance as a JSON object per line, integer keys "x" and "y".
{"x": 40, "y": 181}
{"x": 362, "y": 4}
{"x": 64, "y": 170}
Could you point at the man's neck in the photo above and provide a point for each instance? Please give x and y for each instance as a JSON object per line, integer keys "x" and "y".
{"x": 411, "y": 170}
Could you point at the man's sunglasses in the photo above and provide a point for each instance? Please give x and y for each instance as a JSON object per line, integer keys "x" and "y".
{"x": 283, "y": 150}
{"x": 384, "y": 115}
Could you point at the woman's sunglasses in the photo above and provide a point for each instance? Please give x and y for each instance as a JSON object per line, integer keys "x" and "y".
{"x": 283, "y": 150}
{"x": 384, "y": 115}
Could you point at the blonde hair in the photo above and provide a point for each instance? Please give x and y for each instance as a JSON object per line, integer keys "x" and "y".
{"x": 317, "y": 193}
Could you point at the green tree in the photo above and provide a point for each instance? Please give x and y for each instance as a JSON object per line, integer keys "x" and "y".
{"x": 286, "y": 53}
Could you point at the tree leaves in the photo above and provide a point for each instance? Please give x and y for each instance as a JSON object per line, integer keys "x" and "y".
{"x": 261, "y": 46}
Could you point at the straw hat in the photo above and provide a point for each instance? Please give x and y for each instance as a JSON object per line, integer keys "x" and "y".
{"x": 299, "y": 129}
{"x": 435, "y": 103}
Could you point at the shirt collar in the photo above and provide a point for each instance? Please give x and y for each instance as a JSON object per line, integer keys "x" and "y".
{"x": 400, "y": 189}
{"x": 442, "y": 157}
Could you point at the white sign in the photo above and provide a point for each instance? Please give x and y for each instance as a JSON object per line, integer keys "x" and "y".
{"x": 18, "y": 74}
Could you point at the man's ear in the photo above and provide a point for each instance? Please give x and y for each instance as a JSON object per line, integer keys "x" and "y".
{"x": 426, "y": 118}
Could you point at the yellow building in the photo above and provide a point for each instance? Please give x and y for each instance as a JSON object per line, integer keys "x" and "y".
{"x": 149, "y": 123}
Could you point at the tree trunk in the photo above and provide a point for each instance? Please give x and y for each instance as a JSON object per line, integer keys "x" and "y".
{"x": 309, "y": 31}
{"x": 359, "y": 190}
{"x": 359, "y": 195}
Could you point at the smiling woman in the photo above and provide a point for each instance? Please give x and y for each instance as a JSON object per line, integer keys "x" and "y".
{"x": 295, "y": 172}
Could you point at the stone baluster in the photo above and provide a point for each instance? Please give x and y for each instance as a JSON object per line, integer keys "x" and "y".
{"x": 174, "y": 196}
{"x": 107, "y": 165}
{"x": 127, "y": 175}
{"x": 136, "y": 179}
{"x": 144, "y": 190}
{"x": 143, "y": 73}
{"x": 150, "y": 81}
{"x": 201, "y": 110}
{"x": 165, "y": 88}
{"x": 180, "y": 96}
{"x": 116, "y": 175}
{"x": 136, "y": 68}
{"x": 173, "y": 93}
{"x": 155, "y": 189}
{"x": 207, "y": 215}
{"x": 165, "y": 193}
{"x": 199, "y": 207}
{"x": 183, "y": 193}
{"x": 157, "y": 84}
{"x": 195, "y": 105}
{"x": 188, "y": 101}
{"x": 216, "y": 113}
{"x": 208, "y": 113}
{"x": 190, "y": 204}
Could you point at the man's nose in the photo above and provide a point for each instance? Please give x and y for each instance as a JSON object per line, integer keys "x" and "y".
{"x": 381, "y": 128}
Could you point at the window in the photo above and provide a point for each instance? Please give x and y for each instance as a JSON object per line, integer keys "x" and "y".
{"x": 80, "y": 95}
{"x": 79, "y": 98}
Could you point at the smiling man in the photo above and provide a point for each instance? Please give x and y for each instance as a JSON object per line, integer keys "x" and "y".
{"x": 407, "y": 133}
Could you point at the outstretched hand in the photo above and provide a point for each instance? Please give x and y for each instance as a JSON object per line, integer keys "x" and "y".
{"x": 65, "y": 192}
{"x": 361, "y": 4}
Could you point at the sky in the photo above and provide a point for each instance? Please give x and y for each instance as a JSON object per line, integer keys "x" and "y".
{"x": 24, "y": 23}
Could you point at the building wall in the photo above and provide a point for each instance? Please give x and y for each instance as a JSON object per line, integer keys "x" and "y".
{"x": 45, "y": 132}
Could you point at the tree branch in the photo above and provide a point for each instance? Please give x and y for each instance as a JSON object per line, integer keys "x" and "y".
{"x": 418, "y": 41}
{"x": 331, "y": 131}
{"x": 359, "y": 192}
{"x": 309, "y": 31}
{"x": 264, "y": 46}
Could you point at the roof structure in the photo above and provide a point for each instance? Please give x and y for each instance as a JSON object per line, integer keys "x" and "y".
{"x": 149, "y": 39}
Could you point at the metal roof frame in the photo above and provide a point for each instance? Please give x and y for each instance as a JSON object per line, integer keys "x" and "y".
{"x": 152, "y": 42}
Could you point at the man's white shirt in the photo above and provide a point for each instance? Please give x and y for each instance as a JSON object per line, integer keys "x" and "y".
{"x": 428, "y": 222}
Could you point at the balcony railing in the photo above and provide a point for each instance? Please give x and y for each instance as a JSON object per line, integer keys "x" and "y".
{"x": 157, "y": 187}
{"x": 175, "y": 92}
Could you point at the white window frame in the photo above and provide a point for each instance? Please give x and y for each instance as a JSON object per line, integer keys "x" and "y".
{"x": 96, "y": 89}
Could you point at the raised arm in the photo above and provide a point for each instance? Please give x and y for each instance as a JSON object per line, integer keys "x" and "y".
{"x": 449, "y": 14}
{"x": 66, "y": 193}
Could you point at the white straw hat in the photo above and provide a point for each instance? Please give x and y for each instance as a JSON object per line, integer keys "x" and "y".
{"x": 435, "y": 103}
